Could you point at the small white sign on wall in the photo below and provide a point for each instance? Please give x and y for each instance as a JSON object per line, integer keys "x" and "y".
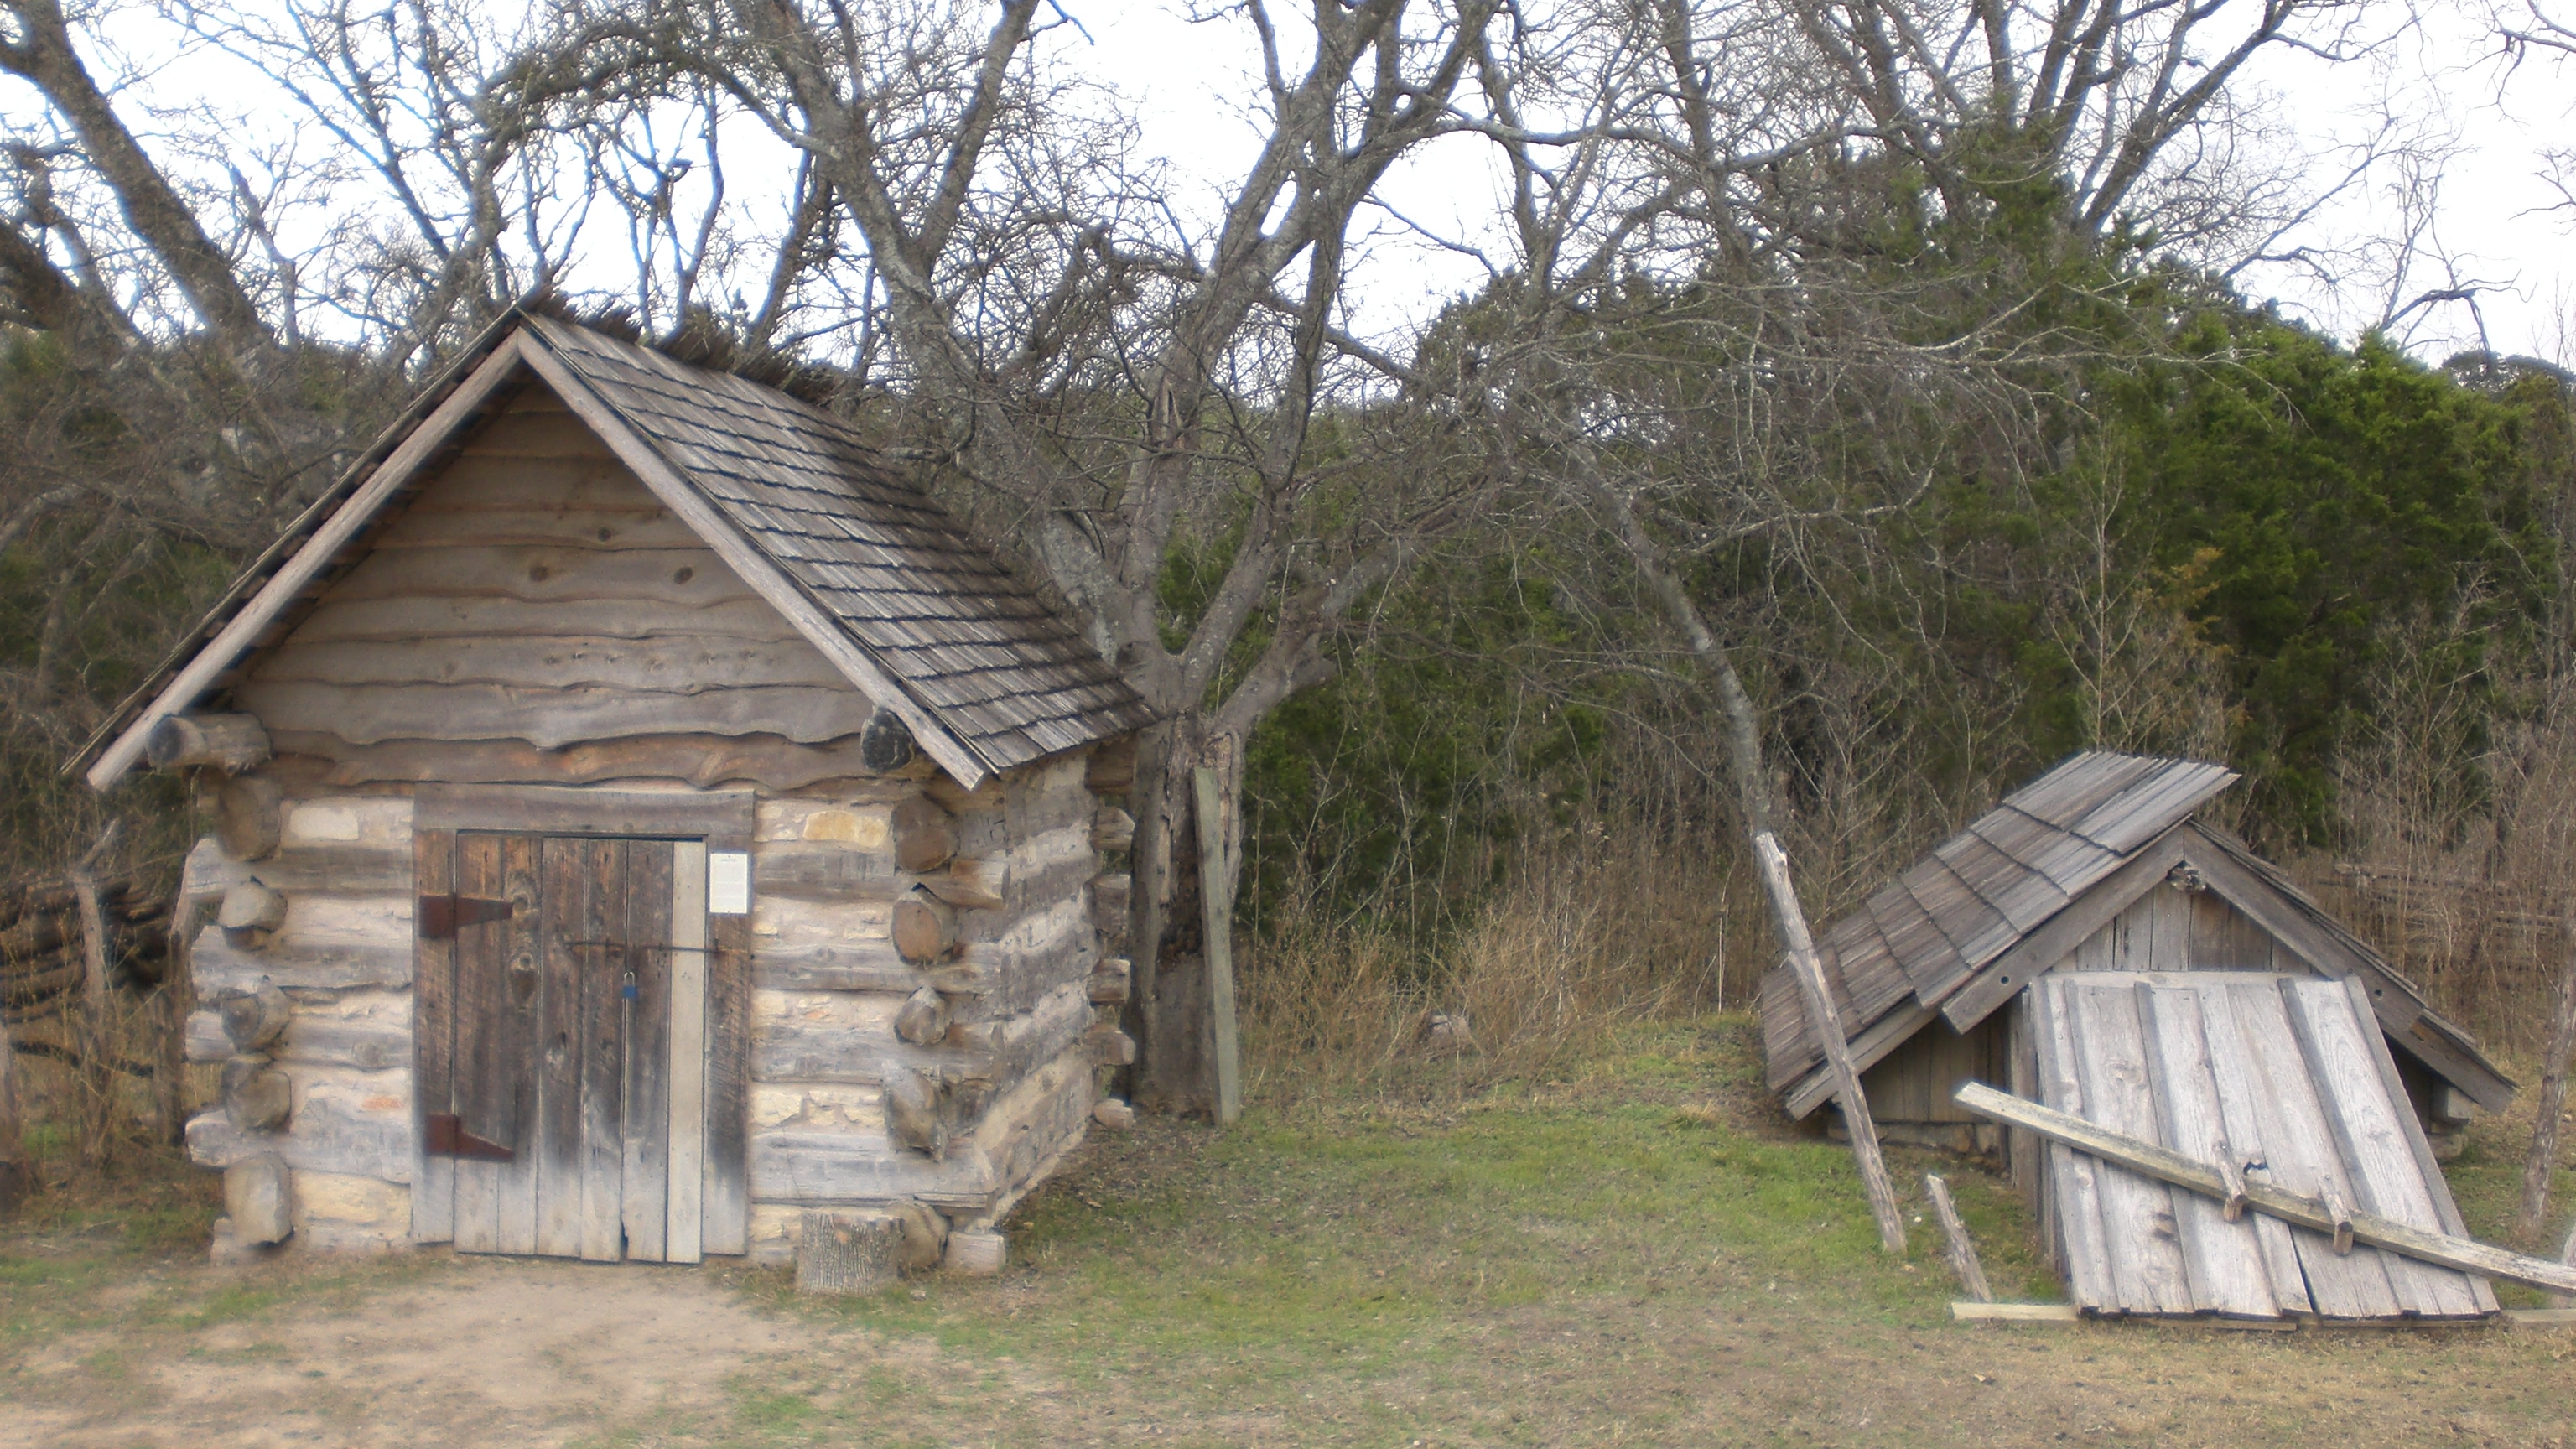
{"x": 728, "y": 882}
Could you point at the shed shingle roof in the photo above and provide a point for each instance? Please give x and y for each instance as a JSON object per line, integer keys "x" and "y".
{"x": 1921, "y": 945}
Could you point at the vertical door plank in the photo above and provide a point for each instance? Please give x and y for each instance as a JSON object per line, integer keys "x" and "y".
{"x": 644, "y": 1127}
{"x": 2074, "y": 1179}
{"x": 686, "y": 1069}
{"x": 522, "y": 992}
{"x": 485, "y": 1061}
{"x": 2228, "y": 1272}
{"x": 2137, "y": 1212}
{"x": 2298, "y": 1154}
{"x": 572, "y": 928}
{"x": 602, "y": 1045}
{"x": 433, "y": 1043}
{"x": 2369, "y": 1133}
{"x": 2247, "y": 1119}
{"x": 727, "y": 1188}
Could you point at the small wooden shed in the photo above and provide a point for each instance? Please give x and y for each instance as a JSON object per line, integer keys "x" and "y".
{"x": 2093, "y": 945}
{"x": 641, "y": 818}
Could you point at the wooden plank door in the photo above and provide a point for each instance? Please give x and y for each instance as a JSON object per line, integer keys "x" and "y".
{"x": 563, "y": 1045}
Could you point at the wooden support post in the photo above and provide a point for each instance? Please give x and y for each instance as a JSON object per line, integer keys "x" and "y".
{"x": 2166, "y": 1165}
{"x": 1963, "y": 1253}
{"x": 1828, "y": 1023}
{"x": 2552, "y": 1102}
{"x": 96, "y": 1088}
{"x": 14, "y": 1175}
{"x": 176, "y": 999}
{"x": 1216, "y": 892}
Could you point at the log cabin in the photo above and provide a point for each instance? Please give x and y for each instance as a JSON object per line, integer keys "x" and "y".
{"x": 642, "y": 825}
{"x": 2095, "y": 944}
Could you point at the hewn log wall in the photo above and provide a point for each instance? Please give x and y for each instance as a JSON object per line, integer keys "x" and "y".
{"x": 535, "y": 616}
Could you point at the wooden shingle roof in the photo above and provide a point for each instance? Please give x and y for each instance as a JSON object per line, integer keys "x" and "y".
{"x": 958, "y": 631}
{"x": 1997, "y": 905}
{"x": 866, "y": 565}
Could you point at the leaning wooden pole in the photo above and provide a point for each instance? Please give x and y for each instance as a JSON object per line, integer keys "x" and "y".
{"x": 2552, "y": 1104}
{"x": 1828, "y": 1022}
{"x": 1216, "y": 893}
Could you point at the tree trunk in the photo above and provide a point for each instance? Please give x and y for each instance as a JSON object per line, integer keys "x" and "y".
{"x": 1167, "y": 1005}
{"x": 2552, "y": 1104}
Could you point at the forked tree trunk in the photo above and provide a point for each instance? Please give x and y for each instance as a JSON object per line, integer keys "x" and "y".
{"x": 2552, "y": 1104}
{"x": 1168, "y": 1005}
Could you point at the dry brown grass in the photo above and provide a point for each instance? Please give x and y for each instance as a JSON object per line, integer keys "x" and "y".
{"x": 1584, "y": 941}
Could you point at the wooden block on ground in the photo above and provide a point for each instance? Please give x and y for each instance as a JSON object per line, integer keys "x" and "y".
{"x": 838, "y": 1253}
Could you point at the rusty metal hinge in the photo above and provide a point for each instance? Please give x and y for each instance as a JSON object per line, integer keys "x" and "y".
{"x": 440, "y": 917}
{"x": 447, "y": 1137}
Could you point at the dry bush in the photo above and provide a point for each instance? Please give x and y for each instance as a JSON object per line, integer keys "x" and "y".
{"x": 1605, "y": 930}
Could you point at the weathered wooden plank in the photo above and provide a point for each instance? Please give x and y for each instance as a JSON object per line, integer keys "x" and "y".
{"x": 550, "y": 717}
{"x": 661, "y": 578}
{"x": 647, "y": 1018}
{"x": 483, "y": 1084}
{"x": 2138, "y": 1221}
{"x": 660, "y": 665}
{"x": 401, "y": 618}
{"x": 1869, "y": 1048}
{"x": 2299, "y": 1155}
{"x": 826, "y": 872}
{"x": 682, "y": 1235}
{"x": 2016, "y": 1313}
{"x": 2246, "y": 1119}
{"x": 697, "y": 759}
{"x": 725, "y": 1199}
{"x": 1963, "y": 1250}
{"x": 600, "y": 1048}
{"x": 2446, "y": 1212}
{"x": 522, "y": 1028}
{"x": 2226, "y": 1265}
{"x": 2074, "y": 1179}
{"x": 2167, "y": 1165}
{"x": 571, "y": 921}
{"x": 2369, "y": 1131}
{"x": 716, "y": 814}
{"x": 218, "y": 965}
{"x": 433, "y": 1041}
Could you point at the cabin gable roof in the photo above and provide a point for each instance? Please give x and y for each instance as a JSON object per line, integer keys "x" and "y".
{"x": 2006, "y": 900}
{"x": 867, "y": 567}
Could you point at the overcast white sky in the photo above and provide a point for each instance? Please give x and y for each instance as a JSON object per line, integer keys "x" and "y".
{"x": 2493, "y": 225}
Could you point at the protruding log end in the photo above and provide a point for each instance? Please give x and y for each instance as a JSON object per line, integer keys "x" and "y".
{"x": 231, "y": 743}
{"x": 925, "y": 836}
{"x": 1110, "y": 981}
{"x": 250, "y": 914}
{"x": 924, "y": 929}
{"x": 253, "y": 1018}
{"x": 915, "y": 1120}
{"x": 249, "y": 819}
{"x": 1113, "y": 1114}
{"x": 1112, "y": 829}
{"x": 885, "y": 743}
{"x": 923, "y": 1021}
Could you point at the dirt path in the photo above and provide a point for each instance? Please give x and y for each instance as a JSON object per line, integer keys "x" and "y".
{"x": 471, "y": 1352}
